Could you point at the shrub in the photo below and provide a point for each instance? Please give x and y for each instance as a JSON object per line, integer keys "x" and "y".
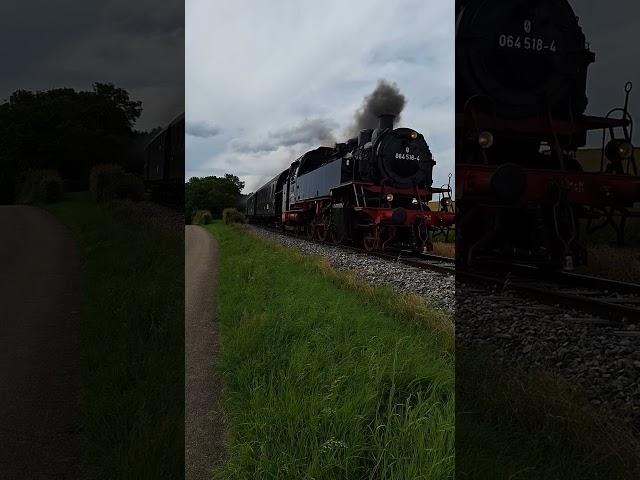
{"x": 100, "y": 179}
{"x": 40, "y": 186}
{"x": 111, "y": 182}
{"x": 127, "y": 187}
{"x": 202, "y": 217}
{"x": 232, "y": 215}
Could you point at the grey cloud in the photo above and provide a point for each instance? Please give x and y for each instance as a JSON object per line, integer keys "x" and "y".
{"x": 309, "y": 132}
{"x": 201, "y": 129}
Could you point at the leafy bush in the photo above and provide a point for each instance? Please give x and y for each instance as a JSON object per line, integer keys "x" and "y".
{"x": 40, "y": 186}
{"x": 202, "y": 217}
{"x": 111, "y": 182}
{"x": 232, "y": 215}
{"x": 127, "y": 187}
{"x": 100, "y": 179}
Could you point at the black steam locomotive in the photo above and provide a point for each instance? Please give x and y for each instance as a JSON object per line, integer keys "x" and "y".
{"x": 373, "y": 189}
{"x": 164, "y": 165}
{"x": 521, "y": 75}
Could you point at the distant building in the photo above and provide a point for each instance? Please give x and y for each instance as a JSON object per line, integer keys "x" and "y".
{"x": 589, "y": 158}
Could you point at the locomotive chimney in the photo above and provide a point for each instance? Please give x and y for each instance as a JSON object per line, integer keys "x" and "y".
{"x": 386, "y": 120}
{"x": 364, "y": 136}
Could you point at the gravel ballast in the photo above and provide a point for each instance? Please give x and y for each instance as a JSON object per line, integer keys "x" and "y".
{"x": 437, "y": 289}
{"x": 603, "y": 358}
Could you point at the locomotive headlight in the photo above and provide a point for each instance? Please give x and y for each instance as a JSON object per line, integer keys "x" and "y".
{"x": 618, "y": 149}
{"x": 414, "y": 135}
{"x": 485, "y": 139}
{"x": 389, "y": 197}
{"x": 625, "y": 150}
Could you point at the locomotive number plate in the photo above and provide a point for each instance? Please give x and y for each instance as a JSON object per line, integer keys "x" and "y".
{"x": 407, "y": 156}
{"x": 533, "y": 44}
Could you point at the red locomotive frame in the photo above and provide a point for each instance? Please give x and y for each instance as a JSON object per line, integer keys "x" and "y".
{"x": 604, "y": 197}
{"x": 311, "y": 215}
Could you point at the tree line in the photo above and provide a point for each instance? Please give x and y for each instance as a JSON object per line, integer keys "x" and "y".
{"x": 69, "y": 132}
{"x": 213, "y": 194}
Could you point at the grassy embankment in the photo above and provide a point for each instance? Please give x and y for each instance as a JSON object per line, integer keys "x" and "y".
{"x": 517, "y": 424}
{"x": 132, "y": 342}
{"x": 326, "y": 377}
{"x": 298, "y": 396}
{"x": 605, "y": 257}
{"x": 445, "y": 247}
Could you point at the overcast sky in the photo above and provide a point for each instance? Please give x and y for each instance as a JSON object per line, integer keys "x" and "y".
{"x": 137, "y": 45}
{"x": 267, "y": 81}
{"x": 612, "y": 31}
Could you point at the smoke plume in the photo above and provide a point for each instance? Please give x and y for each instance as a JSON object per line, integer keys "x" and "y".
{"x": 386, "y": 98}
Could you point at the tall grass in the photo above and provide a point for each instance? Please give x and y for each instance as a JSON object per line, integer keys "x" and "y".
{"x": 132, "y": 343}
{"x": 617, "y": 263}
{"x": 325, "y": 381}
{"x": 516, "y": 424}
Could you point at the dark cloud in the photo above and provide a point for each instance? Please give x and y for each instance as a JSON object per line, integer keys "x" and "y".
{"x": 201, "y": 130}
{"x": 137, "y": 45}
{"x": 309, "y": 132}
{"x": 385, "y": 99}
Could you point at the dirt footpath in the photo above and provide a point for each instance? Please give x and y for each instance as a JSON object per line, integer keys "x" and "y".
{"x": 39, "y": 353}
{"x": 204, "y": 422}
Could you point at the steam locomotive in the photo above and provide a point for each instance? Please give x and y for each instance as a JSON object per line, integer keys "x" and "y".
{"x": 522, "y": 196}
{"x": 373, "y": 190}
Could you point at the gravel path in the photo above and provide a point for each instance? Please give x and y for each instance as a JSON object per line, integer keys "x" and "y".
{"x": 204, "y": 422}
{"x": 437, "y": 289}
{"x": 39, "y": 354}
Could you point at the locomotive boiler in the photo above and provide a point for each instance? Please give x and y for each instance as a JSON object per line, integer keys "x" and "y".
{"x": 373, "y": 190}
{"x": 521, "y": 77}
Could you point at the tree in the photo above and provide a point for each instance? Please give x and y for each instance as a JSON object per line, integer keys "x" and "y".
{"x": 65, "y": 130}
{"x": 212, "y": 193}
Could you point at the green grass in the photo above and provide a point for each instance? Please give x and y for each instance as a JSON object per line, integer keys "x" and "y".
{"x": 325, "y": 377}
{"x": 132, "y": 343}
{"x": 514, "y": 424}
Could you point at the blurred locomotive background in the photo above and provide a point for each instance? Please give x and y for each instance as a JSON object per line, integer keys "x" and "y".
{"x": 528, "y": 191}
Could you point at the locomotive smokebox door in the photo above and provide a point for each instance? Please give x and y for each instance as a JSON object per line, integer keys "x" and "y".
{"x": 404, "y": 158}
{"x": 528, "y": 56}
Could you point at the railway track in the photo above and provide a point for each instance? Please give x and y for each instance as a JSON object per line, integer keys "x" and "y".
{"x": 608, "y": 299}
{"x": 435, "y": 263}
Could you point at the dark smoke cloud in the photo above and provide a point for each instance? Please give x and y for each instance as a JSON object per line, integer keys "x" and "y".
{"x": 386, "y": 98}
